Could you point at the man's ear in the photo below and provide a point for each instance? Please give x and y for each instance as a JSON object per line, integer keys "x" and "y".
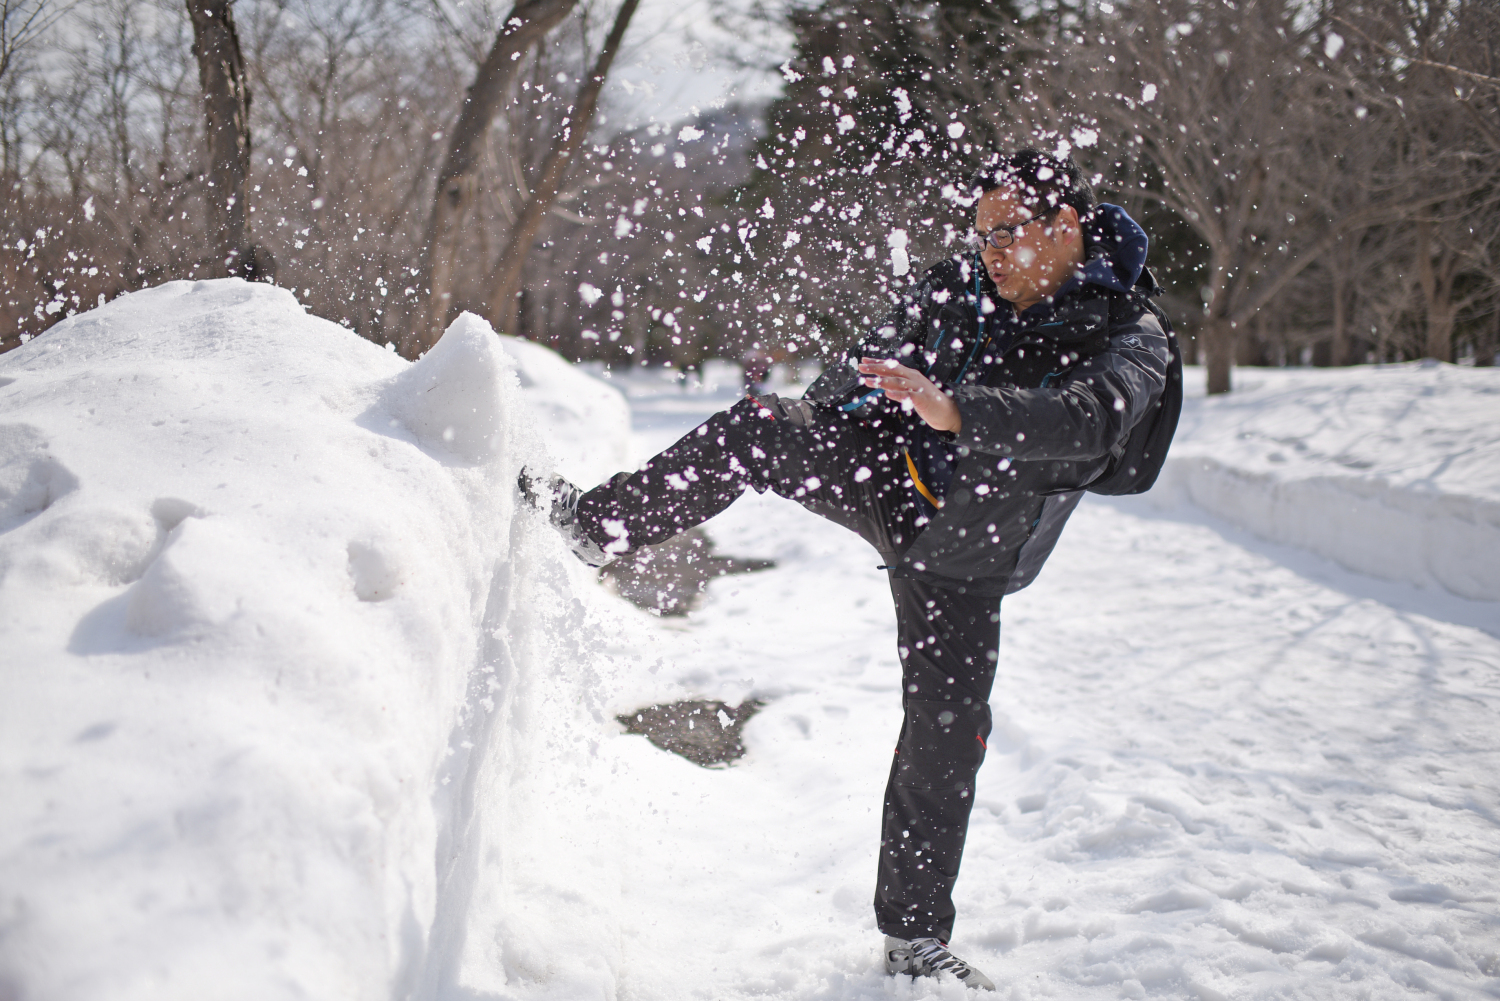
{"x": 1068, "y": 216}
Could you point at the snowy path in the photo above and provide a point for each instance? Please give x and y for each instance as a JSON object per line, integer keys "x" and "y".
{"x": 1221, "y": 768}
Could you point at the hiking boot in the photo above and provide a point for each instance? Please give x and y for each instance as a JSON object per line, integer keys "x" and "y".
{"x": 559, "y": 499}
{"x": 927, "y": 957}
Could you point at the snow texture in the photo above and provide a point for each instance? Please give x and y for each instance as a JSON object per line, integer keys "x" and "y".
{"x": 298, "y": 704}
{"x": 1392, "y": 470}
{"x": 283, "y": 669}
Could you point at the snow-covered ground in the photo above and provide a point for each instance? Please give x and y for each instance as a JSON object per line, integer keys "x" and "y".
{"x": 1391, "y": 470}
{"x": 1222, "y": 768}
{"x": 295, "y": 704}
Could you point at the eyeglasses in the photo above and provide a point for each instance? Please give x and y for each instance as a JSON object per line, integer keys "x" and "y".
{"x": 1003, "y": 236}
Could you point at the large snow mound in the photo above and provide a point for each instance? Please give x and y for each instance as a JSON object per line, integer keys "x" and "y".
{"x": 1392, "y": 471}
{"x": 286, "y": 676}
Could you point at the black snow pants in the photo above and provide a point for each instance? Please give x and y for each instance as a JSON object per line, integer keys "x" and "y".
{"x": 852, "y": 472}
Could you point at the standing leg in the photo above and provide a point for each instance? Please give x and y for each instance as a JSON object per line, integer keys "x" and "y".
{"x": 949, "y": 644}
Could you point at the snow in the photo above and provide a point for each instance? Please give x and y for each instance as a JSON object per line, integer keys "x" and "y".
{"x": 1392, "y": 470}
{"x": 262, "y": 597}
{"x": 297, "y": 703}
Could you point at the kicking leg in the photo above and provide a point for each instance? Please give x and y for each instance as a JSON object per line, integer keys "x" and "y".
{"x": 832, "y": 464}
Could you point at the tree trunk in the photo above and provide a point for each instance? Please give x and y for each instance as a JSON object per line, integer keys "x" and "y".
{"x": 1440, "y": 332}
{"x": 505, "y": 280}
{"x": 1218, "y": 346}
{"x": 457, "y": 184}
{"x": 1485, "y": 348}
{"x": 1339, "y": 352}
{"x": 1436, "y": 281}
{"x": 226, "y": 112}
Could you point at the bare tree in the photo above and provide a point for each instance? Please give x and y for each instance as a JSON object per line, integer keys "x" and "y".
{"x": 1219, "y": 105}
{"x": 505, "y": 280}
{"x": 1337, "y": 194}
{"x": 1438, "y": 62}
{"x": 22, "y": 22}
{"x": 457, "y": 187}
{"x": 226, "y": 110}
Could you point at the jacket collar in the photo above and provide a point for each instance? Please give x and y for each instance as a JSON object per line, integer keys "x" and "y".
{"x": 1114, "y": 247}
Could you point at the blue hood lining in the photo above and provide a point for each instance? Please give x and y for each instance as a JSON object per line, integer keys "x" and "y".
{"x": 1115, "y": 248}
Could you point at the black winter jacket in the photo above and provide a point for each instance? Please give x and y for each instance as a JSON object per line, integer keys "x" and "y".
{"x": 1046, "y": 397}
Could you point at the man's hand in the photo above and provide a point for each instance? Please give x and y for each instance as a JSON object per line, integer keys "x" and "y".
{"x": 910, "y": 387}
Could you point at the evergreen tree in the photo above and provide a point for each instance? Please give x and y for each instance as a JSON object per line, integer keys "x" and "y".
{"x": 882, "y": 115}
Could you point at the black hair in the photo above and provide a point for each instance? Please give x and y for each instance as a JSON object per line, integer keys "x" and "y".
{"x": 1045, "y": 182}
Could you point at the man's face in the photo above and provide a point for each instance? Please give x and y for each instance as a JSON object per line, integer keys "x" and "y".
{"x": 1045, "y": 252}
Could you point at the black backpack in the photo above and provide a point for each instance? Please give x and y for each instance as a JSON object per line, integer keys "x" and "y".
{"x": 1135, "y": 464}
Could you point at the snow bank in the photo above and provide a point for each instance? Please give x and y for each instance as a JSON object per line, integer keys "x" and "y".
{"x": 286, "y": 676}
{"x": 587, "y": 421}
{"x": 1392, "y": 471}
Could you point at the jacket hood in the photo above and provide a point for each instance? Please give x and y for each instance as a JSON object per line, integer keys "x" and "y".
{"x": 1114, "y": 249}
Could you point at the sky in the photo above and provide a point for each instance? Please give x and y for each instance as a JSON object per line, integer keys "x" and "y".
{"x": 680, "y": 58}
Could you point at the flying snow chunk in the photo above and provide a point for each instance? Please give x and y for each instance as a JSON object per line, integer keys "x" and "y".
{"x": 1084, "y": 138}
{"x": 689, "y": 134}
{"x": 88, "y": 205}
{"x": 588, "y": 293}
{"x": 1333, "y": 45}
{"x": 846, "y": 124}
{"x": 955, "y": 130}
{"x": 1148, "y": 93}
{"x": 622, "y": 228}
{"x": 679, "y": 160}
{"x": 828, "y": 68}
{"x": 705, "y": 244}
{"x": 768, "y": 210}
{"x": 900, "y": 262}
{"x": 792, "y": 76}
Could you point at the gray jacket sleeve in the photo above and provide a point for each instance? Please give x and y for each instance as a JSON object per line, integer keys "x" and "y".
{"x": 1084, "y": 417}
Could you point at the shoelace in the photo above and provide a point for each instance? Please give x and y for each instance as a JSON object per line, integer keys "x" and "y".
{"x": 935, "y": 956}
{"x": 565, "y": 506}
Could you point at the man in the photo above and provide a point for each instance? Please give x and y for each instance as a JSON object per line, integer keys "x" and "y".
{"x": 999, "y": 388}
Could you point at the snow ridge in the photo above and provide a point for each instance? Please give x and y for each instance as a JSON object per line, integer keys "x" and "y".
{"x": 289, "y": 679}
{"x": 1392, "y": 471}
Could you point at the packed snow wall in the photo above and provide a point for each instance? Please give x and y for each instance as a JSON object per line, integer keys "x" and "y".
{"x": 286, "y": 674}
{"x": 1392, "y": 471}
